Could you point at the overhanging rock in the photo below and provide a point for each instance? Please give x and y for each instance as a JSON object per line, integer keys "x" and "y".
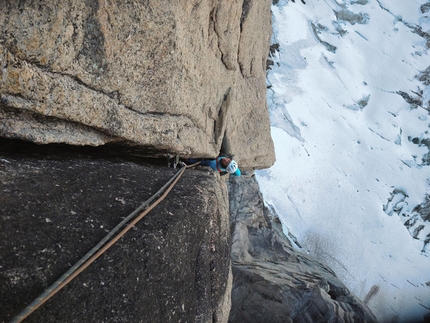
{"x": 161, "y": 76}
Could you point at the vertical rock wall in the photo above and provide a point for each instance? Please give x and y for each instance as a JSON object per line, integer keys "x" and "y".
{"x": 272, "y": 281}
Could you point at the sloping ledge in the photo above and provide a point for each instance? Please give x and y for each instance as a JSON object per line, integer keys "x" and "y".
{"x": 173, "y": 266}
{"x": 273, "y": 282}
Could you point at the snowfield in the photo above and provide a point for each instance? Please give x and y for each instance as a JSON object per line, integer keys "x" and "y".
{"x": 350, "y": 121}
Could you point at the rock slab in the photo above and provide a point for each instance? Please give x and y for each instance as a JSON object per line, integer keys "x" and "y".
{"x": 172, "y": 266}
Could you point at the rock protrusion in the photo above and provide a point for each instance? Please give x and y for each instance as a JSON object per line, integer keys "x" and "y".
{"x": 151, "y": 75}
{"x": 273, "y": 282}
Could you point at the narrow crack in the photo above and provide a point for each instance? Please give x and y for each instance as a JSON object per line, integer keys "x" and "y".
{"x": 113, "y": 95}
{"x": 220, "y": 121}
{"x": 213, "y": 19}
{"x": 49, "y": 70}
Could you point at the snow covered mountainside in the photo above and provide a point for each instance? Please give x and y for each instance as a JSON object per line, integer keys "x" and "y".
{"x": 349, "y": 96}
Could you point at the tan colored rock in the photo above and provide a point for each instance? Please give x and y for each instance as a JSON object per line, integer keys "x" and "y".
{"x": 164, "y": 76}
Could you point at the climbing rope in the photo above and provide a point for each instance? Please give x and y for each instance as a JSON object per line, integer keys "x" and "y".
{"x": 98, "y": 250}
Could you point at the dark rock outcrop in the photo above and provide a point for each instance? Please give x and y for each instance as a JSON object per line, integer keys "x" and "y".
{"x": 160, "y": 76}
{"x": 55, "y": 205}
{"x": 273, "y": 282}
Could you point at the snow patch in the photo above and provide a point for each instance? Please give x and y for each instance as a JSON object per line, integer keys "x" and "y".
{"x": 349, "y": 97}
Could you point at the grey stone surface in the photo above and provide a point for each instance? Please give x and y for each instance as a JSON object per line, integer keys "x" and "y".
{"x": 274, "y": 282}
{"x": 162, "y": 76}
{"x": 56, "y": 204}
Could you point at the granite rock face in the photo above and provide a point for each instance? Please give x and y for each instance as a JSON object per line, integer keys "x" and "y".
{"x": 272, "y": 281}
{"x": 173, "y": 266}
{"x": 159, "y": 76}
{"x": 145, "y": 78}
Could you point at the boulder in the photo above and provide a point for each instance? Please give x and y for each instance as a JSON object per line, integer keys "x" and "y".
{"x": 274, "y": 282}
{"x": 159, "y": 76}
{"x": 56, "y": 204}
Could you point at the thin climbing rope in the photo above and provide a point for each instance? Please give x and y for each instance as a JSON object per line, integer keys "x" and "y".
{"x": 98, "y": 250}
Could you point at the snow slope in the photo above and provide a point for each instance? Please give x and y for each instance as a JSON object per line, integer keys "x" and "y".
{"x": 350, "y": 122}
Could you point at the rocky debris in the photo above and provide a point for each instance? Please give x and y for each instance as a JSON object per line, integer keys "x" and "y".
{"x": 425, "y": 7}
{"x": 274, "y": 49}
{"x": 424, "y": 76}
{"x": 424, "y": 209}
{"x": 160, "y": 76}
{"x": 345, "y": 15}
{"x": 56, "y": 204}
{"x": 414, "y": 101}
{"x": 272, "y": 281}
{"x": 415, "y": 221}
{"x": 316, "y": 30}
